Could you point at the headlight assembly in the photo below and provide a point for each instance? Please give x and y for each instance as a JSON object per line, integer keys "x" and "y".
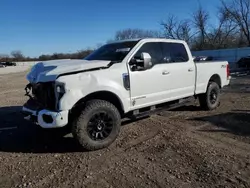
{"x": 60, "y": 91}
{"x": 60, "y": 88}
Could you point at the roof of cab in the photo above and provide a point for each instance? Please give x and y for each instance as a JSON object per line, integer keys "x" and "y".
{"x": 152, "y": 39}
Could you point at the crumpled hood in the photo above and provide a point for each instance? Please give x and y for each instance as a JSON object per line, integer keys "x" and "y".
{"x": 50, "y": 70}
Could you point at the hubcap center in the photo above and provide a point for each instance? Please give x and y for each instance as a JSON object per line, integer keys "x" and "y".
{"x": 100, "y": 125}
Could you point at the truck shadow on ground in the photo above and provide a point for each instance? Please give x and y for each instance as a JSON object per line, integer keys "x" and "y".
{"x": 238, "y": 88}
{"x": 235, "y": 122}
{"x": 19, "y": 135}
{"x": 187, "y": 108}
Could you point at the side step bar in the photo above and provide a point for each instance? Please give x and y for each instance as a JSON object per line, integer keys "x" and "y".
{"x": 136, "y": 114}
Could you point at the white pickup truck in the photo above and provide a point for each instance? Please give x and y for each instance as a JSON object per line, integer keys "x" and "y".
{"x": 123, "y": 79}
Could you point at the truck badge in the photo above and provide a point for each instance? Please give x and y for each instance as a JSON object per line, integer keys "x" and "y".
{"x": 133, "y": 102}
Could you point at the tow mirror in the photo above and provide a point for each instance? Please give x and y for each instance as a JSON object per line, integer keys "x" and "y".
{"x": 146, "y": 60}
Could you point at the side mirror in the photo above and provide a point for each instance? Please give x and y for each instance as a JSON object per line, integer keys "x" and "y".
{"x": 146, "y": 60}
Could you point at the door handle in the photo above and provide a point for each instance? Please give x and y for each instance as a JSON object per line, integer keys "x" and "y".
{"x": 165, "y": 72}
{"x": 190, "y": 70}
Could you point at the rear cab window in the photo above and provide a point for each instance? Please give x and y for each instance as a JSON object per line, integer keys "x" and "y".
{"x": 174, "y": 52}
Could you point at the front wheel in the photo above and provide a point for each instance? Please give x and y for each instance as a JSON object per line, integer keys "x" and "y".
{"x": 97, "y": 126}
{"x": 211, "y": 99}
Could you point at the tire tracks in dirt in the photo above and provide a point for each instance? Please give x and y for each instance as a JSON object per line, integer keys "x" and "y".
{"x": 100, "y": 164}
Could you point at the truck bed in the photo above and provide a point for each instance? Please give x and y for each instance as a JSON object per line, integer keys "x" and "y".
{"x": 205, "y": 70}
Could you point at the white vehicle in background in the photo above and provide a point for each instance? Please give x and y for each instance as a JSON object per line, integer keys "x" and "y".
{"x": 124, "y": 79}
{"x": 2, "y": 65}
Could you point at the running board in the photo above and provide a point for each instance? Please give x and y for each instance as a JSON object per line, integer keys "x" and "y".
{"x": 159, "y": 108}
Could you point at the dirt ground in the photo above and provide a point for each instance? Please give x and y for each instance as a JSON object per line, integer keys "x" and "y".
{"x": 186, "y": 147}
{"x": 14, "y": 69}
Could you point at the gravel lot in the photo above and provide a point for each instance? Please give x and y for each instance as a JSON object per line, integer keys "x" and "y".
{"x": 182, "y": 148}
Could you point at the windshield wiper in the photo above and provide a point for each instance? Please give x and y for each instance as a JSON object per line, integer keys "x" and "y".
{"x": 114, "y": 62}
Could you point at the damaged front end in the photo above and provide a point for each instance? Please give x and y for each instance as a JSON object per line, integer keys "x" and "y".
{"x": 41, "y": 107}
{"x": 42, "y": 95}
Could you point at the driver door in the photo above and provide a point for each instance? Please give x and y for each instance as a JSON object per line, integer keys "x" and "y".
{"x": 149, "y": 87}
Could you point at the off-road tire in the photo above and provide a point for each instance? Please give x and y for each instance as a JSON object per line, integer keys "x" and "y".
{"x": 80, "y": 125}
{"x": 204, "y": 99}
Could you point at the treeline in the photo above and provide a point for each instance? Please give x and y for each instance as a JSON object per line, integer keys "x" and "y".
{"x": 230, "y": 29}
{"x": 18, "y": 56}
{"x": 77, "y": 55}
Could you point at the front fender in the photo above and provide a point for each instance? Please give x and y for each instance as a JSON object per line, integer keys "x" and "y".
{"x": 78, "y": 87}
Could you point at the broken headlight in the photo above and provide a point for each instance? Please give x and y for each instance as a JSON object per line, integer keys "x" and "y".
{"x": 60, "y": 88}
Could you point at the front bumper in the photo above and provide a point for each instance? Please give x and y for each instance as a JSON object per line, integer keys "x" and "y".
{"x": 46, "y": 118}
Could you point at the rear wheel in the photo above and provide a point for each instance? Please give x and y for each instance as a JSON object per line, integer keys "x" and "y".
{"x": 97, "y": 126}
{"x": 211, "y": 99}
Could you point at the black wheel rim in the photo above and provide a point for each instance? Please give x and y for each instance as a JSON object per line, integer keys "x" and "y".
{"x": 213, "y": 96}
{"x": 100, "y": 126}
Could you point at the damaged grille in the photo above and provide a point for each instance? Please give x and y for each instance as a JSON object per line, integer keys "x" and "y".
{"x": 44, "y": 95}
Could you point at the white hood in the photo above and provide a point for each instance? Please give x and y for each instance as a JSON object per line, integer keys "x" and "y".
{"x": 49, "y": 70}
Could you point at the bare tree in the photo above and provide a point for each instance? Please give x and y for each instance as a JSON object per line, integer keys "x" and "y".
{"x": 200, "y": 34}
{"x": 200, "y": 20}
{"x": 17, "y": 55}
{"x": 175, "y": 29}
{"x": 239, "y": 12}
{"x": 225, "y": 34}
{"x": 135, "y": 33}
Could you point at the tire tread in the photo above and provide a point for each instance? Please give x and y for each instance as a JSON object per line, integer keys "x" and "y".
{"x": 203, "y": 98}
{"x": 78, "y": 130}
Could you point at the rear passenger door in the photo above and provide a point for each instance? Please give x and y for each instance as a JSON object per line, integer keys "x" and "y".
{"x": 181, "y": 70}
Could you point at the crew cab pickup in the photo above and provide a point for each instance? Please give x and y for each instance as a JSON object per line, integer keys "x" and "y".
{"x": 123, "y": 79}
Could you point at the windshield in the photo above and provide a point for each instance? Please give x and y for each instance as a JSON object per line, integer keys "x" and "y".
{"x": 112, "y": 52}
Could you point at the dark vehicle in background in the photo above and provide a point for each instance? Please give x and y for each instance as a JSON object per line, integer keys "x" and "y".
{"x": 244, "y": 62}
{"x": 8, "y": 63}
{"x": 204, "y": 58}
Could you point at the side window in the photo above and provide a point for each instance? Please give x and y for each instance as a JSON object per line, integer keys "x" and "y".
{"x": 174, "y": 52}
{"x": 154, "y": 50}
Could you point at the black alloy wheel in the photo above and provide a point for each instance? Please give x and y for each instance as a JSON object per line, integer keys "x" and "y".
{"x": 213, "y": 96}
{"x": 100, "y": 126}
{"x": 211, "y": 99}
